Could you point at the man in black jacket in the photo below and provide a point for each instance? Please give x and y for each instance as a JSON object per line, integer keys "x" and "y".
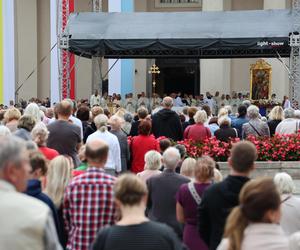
{"x": 166, "y": 122}
{"x": 219, "y": 199}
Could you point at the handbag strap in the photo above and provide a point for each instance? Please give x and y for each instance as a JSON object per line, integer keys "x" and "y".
{"x": 194, "y": 193}
{"x": 254, "y": 129}
{"x": 236, "y": 132}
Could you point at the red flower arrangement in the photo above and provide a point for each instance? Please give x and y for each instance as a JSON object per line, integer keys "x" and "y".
{"x": 277, "y": 148}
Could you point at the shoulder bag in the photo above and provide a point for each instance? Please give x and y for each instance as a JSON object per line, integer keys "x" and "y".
{"x": 194, "y": 193}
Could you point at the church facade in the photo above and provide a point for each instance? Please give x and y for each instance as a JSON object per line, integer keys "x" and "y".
{"x": 33, "y": 42}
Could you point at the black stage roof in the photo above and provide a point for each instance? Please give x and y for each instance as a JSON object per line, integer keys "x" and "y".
{"x": 228, "y": 34}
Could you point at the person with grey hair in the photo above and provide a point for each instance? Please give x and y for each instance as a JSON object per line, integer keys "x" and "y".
{"x": 25, "y": 125}
{"x": 162, "y": 191}
{"x": 40, "y": 135}
{"x": 127, "y": 124}
{"x": 254, "y": 126}
{"x": 289, "y": 125}
{"x": 116, "y": 129}
{"x": 113, "y": 164}
{"x": 152, "y": 165}
{"x": 246, "y": 103}
{"x": 290, "y": 218}
{"x": 166, "y": 122}
{"x": 33, "y": 110}
{"x": 21, "y": 215}
{"x": 225, "y": 133}
{"x": 297, "y": 114}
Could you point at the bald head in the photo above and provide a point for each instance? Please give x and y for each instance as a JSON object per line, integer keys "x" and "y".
{"x": 64, "y": 108}
{"x": 96, "y": 153}
{"x": 167, "y": 102}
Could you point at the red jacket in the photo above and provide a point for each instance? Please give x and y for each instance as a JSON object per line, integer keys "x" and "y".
{"x": 140, "y": 145}
{"x": 197, "y": 132}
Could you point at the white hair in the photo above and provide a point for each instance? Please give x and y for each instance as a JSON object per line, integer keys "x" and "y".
{"x": 167, "y": 102}
{"x": 253, "y": 112}
{"x": 229, "y": 109}
{"x": 33, "y": 110}
{"x": 101, "y": 122}
{"x": 40, "y": 133}
{"x": 284, "y": 183}
{"x": 4, "y": 131}
{"x": 289, "y": 113}
{"x": 171, "y": 158}
{"x": 152, "y": 160}
{"x": 116, "y": 122}
{"x": 224, "y": 119}
{"x": 297, "y": 114}
{"x": 200, "y": 116}
{"x": 223, "y": 112}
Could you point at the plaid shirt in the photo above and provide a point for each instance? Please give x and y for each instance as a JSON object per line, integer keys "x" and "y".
{"x": 88, "y": 206}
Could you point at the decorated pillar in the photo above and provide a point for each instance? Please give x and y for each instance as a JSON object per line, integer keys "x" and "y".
{"x": 121, "y": 77}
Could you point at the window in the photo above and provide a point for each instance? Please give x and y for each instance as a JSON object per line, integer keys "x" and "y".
{"x": 178, "y": 3}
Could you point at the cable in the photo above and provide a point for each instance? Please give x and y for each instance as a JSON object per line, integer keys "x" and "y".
{"x": 110, "y": 69}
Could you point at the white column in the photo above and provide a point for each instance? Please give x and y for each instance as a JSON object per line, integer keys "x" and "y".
{"x": 8, "y": 51}
{"x": 280, "y": 80}
{"x": 54, "y": 75}
{"x": 215, "y": 73}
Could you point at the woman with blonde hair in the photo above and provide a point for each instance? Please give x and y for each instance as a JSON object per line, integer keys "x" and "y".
{"x": 11, "y": 117}
{"x": 189, "y": 198}
{"x": 58, "y": 177}
{"x": 188, "y": 168}
{"x": 254, "y": 224}
{"x": 198, "y": 132}
{"x": 275, "y": 117}
{"x": 135, "y": 231}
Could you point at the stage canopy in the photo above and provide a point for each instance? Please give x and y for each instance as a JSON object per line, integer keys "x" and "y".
{"x": 229, "y": 34}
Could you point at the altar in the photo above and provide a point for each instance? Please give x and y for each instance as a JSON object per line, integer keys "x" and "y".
{"x": 260, "y": 87}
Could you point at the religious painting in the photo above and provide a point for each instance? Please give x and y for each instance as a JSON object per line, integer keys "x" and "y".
{"x": 260, "y": 83}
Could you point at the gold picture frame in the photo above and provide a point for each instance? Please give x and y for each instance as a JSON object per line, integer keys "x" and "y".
{"x": 260, "y": 80}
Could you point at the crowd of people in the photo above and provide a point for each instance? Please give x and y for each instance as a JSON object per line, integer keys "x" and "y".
{"x": 83, "y": 176}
